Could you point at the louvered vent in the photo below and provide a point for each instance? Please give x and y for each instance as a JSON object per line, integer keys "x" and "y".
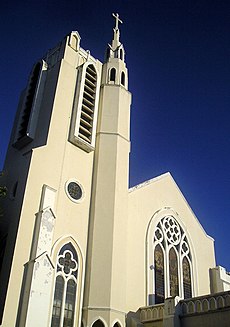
{"x": 30, "y": 106}
{"x": 28, "y": 102}
{"x": 88, "y": 105}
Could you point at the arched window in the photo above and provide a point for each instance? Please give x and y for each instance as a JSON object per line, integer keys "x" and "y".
{"x": 121, "y": 54}
{"x": 65, "y": 287}
{"x": 112, "y": 75}
{"x": 172, "y": 261}
{"x": 116, "y": 324}
{"x": 123, "y": 78}
{"x": 98, "y": 323}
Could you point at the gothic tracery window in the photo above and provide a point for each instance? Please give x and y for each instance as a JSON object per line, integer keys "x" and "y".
{"x": 172, "y": 261}
{"x": 65, "y": 287}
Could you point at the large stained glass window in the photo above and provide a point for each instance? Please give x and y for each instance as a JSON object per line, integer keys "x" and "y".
{"x": 172, "y": 261}
{"x": 65, "y": 287}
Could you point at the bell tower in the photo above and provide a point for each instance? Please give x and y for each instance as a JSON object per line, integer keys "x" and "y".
{"x": 106, "y": 255}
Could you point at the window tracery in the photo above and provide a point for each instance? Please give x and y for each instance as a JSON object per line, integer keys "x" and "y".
{"x": 65, "y": 287}
{"x": 172, "y": 260}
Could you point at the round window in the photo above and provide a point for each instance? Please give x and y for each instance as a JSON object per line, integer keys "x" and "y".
{"x": 74, "y": 190}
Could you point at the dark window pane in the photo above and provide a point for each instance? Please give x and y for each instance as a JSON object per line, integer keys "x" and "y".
{"x": 159, "y": 274}
{"x": 123, "y": 78}
{"x": 173, "y": 273}
{"x": 113, "y": 74}
{"x": 70, "y": 303}
{"x": 57, "y": 304}
{"x": 98, "y": 323}
{"x": 186, "y": 279}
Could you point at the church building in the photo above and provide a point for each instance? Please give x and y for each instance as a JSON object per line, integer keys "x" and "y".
{"x": 78, "y": 247}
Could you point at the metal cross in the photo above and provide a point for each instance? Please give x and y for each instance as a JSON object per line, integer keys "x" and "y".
{"x": 118, "y": 20}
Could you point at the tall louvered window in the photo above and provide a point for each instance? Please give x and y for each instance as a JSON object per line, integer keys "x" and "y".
{"x": 172, "y": 261}
{"x": 26, "y": 126}
{"x": 88, "y": 104}
{"x": 83, "y": 124}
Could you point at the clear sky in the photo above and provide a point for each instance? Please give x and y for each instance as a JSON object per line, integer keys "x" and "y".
{"x": 178, "y": 55}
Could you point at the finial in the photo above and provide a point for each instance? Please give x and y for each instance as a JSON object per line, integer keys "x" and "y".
{"x": 117, "y": 20}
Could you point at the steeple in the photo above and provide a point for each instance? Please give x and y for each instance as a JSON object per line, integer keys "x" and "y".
{"x": 116, "y": 49}
{"x": 114, "y": 70}
{"x": 116, "y": 32}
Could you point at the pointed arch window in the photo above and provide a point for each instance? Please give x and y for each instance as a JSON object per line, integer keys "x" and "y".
{"x": 112, "y": 76}
{"x": 98, "y": 323}
{"x": 121, "y": 54}
{"x": 84, "y": 117}
{"x": 123, "y": 78}
{"x": 172, "y": 261}
{"x": 116, "y": 324}
{"x": 63, "y": 312}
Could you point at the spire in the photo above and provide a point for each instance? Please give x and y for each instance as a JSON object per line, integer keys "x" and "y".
{"x": 116, "y": 32}
{"x": 115, "y": 49}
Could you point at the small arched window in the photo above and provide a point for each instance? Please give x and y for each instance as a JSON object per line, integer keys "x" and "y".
{"x": 98, "y": 323}
{"x": 121, "y": 54}
{"x": 116, "y": 324}
{"x": 112, "y": 77}
{"x": 123, "y": 78}
{"x": 63, "y": 312}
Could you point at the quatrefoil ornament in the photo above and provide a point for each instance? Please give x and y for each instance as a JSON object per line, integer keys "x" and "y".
{"x": 67, "y": 263}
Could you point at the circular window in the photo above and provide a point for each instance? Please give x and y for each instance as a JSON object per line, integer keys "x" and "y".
{"x": 74, "y": 190}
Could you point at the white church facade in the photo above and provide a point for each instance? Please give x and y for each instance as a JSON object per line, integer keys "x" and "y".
{"x": 78, "y": 246}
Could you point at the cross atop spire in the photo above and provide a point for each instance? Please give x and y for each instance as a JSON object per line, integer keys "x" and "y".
{"x": 116, "y": 32}
{"x": 117, "y": 20}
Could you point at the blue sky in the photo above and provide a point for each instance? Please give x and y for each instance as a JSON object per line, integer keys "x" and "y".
{"x": 178, "y": 55}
